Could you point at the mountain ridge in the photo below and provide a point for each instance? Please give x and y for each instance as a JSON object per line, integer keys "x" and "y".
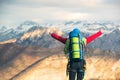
{"x": 108, "y": 42}
{"x": 35, "y": 35}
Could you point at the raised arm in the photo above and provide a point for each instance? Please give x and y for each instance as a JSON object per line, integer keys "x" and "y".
{"x": 93, "y": 37}
{"x": 88, "y": 39}
{"x": 59, "y": 38}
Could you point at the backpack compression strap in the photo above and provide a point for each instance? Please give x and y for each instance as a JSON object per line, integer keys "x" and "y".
{"x": 77, "y": 47}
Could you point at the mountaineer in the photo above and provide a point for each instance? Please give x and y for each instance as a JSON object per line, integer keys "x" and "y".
{"x": 75, "y": 46}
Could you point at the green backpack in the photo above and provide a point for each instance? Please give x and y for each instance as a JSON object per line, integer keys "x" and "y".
{"x": 76, "y": 45}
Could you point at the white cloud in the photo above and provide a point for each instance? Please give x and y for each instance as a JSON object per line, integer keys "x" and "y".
{"x": 52, "y": 10}
{"x": 71, "y": 16}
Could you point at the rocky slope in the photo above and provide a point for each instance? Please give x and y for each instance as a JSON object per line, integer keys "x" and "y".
{"x": 38, "y": 63}
{"x": 40, "y": 37}
{"x": 15, "y": 59}
{"x": 54, "y": 68}
{"x": 108, "y": 42}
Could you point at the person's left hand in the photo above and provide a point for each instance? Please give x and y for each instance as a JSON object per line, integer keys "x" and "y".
{"x": 101, "y": 30}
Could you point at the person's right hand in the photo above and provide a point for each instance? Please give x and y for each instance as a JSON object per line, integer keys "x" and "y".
{"x": 50, "y": 32}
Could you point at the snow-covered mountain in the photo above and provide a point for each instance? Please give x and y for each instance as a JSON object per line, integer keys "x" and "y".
{"x": 25, "y": 26}
{"x": 2, "y": 28}
{"x": 39, "y": 36}
{"x": 32, "y": 33}
{"x": 7, "y": 33}
{"x": 88, "y": 27}
{"x": 108, "y": 41}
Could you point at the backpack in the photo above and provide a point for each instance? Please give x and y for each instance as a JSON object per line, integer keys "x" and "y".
{"x": 76, "y": 45}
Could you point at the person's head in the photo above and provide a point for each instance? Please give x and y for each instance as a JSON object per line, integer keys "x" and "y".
{"x": 75, "y": 32}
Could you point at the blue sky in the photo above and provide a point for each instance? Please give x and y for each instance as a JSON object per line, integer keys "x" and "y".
{"x": 14, "y": 12}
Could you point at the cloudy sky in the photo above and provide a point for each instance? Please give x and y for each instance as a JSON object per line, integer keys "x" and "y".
{"x": 13, "y": 12}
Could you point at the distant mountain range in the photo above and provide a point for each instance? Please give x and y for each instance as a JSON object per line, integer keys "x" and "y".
{"x": 39, "y": 36}
{"x": 32, "y": 33}
{"x": 109, "y": 41}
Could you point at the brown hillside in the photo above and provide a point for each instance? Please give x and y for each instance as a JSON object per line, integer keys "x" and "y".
{"x": 37, "y": 63}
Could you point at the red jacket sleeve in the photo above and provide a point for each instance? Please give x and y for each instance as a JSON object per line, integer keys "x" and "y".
{"x": 59, "y": 38}
{"x": 93, "y": 37}
{"x": 88, "y": 39}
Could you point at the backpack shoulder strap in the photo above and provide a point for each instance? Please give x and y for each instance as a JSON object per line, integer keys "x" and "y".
{"x": 66, "y": 48}
{"x": 84, "y": 41}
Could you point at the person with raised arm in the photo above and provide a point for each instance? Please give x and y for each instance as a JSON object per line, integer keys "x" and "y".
{"x": 75, "y": 47}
